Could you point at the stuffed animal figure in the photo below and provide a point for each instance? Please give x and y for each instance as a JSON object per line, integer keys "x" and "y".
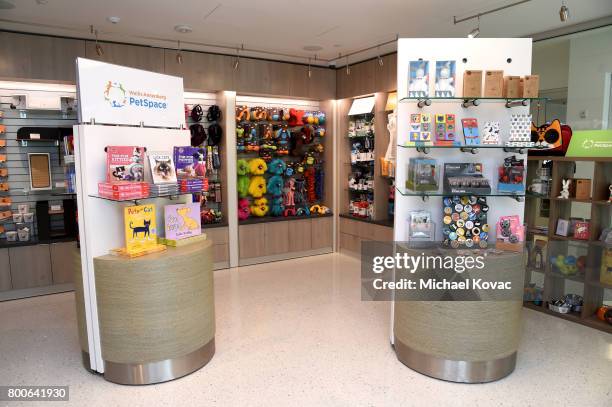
{"x": 274, "y": 114}
{"x": 320, "y": 118}
{"x": 308, "y": 118}
{"x": 277, "y": 208}
{"x": 260, "y": 207}
{"x": 277, "y": 167}
{"x": 200, "y": 166}
{"x": 242, "y": 167}
{"x": 240, "y": 139}
{"x": 257, "y": 166}
{"x": 275, "y": 185}
{"x": 289, "y": 192}
{"x": 295, "y": 117}
{"x": 243, "y": 186}
{"x": 243, "y": 209}
{"x": 242, "y": 113}
{"x": 319, "y": 131}
{"x": 257, "y": 186}
{"x": 283, "y": 137}
{"x": 251, "y": 139}
{"x": 565, "y": 188}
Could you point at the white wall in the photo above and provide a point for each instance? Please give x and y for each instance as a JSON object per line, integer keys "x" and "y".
{"x": 590, "y": 61}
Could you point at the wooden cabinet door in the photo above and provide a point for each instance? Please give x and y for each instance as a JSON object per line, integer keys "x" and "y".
{"x": 251, "y": 240}
{"x": 322, "y": 231}
{"x": 300, "y": 235}
{"x": 62, "y": 263}
{"x": 5, "y": 271}
{"x": 30, "y": 266}
{"x": 134, "y": 56}
{"x": 276, "y": 235}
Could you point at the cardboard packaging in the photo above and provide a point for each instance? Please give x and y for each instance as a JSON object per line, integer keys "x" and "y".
{"x": 494, "y": 84}
{"x": 472, "y": 84}
{"x": 530, "y": 86}
{"x": 512, "y": 87}
{"x": 580, "y": 188}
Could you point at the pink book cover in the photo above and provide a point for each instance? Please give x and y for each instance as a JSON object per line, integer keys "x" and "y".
{"x": 124, "y": 163}
{"x": 182, "y": 221}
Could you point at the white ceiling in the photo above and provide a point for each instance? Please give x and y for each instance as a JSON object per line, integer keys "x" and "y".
{"x": 339, "y": 26}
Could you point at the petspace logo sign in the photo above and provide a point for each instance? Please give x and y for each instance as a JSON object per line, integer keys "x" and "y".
{"x": 590, "y": 143}
{"x": 113, "y": 94}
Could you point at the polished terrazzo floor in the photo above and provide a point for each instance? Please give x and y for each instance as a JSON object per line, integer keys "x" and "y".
{"x": 296, "y": 333}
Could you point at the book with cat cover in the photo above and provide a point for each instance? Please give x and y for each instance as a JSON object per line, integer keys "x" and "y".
{"x": 182, "y": 221}
{"x": 124, "y": 163}
{"x": 190, "y": 161}
{"x": 162, "y": 167}
{"x": 140, "y": 228}
{"x": 470, "y": 131}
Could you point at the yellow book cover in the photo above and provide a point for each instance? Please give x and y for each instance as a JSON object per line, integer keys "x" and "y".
{"x": 140, "y": 228}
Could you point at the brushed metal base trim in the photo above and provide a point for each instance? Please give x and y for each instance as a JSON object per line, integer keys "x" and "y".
{"x": 455, "y": 370}
{"x": 160, "y": 371}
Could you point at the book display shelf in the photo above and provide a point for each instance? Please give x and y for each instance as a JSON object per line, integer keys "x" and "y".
{"x": 573, "y": 261}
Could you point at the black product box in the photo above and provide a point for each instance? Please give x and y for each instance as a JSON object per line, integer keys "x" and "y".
{"x": 465, "y": 178}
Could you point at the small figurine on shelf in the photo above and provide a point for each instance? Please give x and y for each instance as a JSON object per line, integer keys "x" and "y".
{"x": 565, "y": 185}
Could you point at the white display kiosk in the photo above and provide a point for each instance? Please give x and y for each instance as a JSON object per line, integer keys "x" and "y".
{"x": 446, "y": 358}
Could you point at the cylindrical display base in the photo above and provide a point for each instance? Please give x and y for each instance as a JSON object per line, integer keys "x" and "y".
{"x": 156, "y": 314}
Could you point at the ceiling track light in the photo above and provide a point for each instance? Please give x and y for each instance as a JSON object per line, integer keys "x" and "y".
{"x": 99, "y": 49}
{"x": 564, "y": 13}
{"x": 348, "y": 67}
{"x": 179, "y": 56}
{"x": 476, "y": 31}
{"x": 309, "y": 69}
{"x": 237, "y": 61}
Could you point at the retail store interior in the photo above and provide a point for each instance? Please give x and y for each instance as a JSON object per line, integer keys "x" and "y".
{"x": 191, "y": 199}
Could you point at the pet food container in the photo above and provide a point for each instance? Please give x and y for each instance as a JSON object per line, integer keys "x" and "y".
{"x": 28, "y": 217}
{"x": 23, "y": 208}
{"x": 24, "y": 235}
{"x": 17, "y": 217}
{"x": 11, "y": 236}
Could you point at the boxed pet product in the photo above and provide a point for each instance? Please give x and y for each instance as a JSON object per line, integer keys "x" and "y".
{"x": 494, "y": 84}
{"x": 580, "y": 188}
{"x": 472, "y": 84}
{"x": 512, "y": 87}
{"x": 530, "y": 86}
{"x": 465, "y": 178}
{"x": 423, "y": 174}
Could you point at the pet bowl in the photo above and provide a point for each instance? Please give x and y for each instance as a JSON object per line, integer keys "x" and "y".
{"x": 23, "y": 208}
{"x": 17, "y": 217}
{"x": 28, "y": 217}
{"x": 24, "y": 235}
{"x": 11, "y": 236}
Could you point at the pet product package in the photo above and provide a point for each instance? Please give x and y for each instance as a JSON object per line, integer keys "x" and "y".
{"x": 418, "y": 79}
{"x": 124, "y": 163}
{"x": 190, "y": 161}
{"x": 420, "y": 226}
{"x": 182, "y": 221}
{"x": 162, "y": 167}
{"x": 445, "y": 79}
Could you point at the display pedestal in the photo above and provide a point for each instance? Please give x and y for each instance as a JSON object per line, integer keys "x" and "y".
{"x": 156, "y": 313}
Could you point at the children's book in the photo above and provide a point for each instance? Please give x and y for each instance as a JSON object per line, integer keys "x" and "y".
{"x": 190, "y": 161}
{"x": 470, "y": 131}
{"x": 162, "y": 167}
{"x": 140, "y": 228}
{"x": 124, "y": 163}
{"x": 445, "y": 79}
{"x": 418, "y": 79}
{"x": 182, "y": 221}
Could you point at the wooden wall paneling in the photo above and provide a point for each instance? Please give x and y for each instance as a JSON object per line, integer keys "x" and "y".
{"x": 39, "y": 57}
{"x": 361, "y": 80}
{"x": 350, "y": 226}
{"x": 381, "y": 141}
{"x": 350, "y": 243}
{"x": 322, "y": 84}
{"x": 251, "y": 241}
{"x": 275, "y": 237}
{"x": 30, "y": 266}
{"x": 252, "y": 76}
{"x": 220, "y": 253}
{"x": 300, "y": 235}
{"x": 134, "y": 56}
{"x": 217, "y": 235}
{"x": 383, "y": 233}
{"x": 5, "y": 271}
{"x": 299, "y": 82}
{"x": 386, "y": 75}
{"x": 62, "y": 262}
{"x": 205, "y": 72}
{"x": 322, "y": 233}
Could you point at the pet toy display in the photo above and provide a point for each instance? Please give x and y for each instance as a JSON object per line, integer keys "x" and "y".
{"x": 465, "y": 221}
{"x": 511, "y": 176}
{"x": 462, "y": 178}
{"x": 257, "y": 186}
{"x": 260, "y": 207}
{"x": 550, "y": 139}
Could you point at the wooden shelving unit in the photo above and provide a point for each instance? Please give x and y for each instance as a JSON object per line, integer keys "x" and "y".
{"x": 600, "y": 218}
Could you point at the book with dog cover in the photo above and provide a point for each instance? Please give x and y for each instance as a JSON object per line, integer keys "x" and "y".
{"x": 182, "y": 221}
{"x": 124, "y": 163}
{"x": 162, "y": 167}
{"x": 140, "y": 228}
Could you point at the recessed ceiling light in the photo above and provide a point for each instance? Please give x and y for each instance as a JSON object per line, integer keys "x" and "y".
{"x": 312, "y": 48}
{"x": 5, "y": 5}
{"x": 113, "y": 19}
{"x": 183, "y": 29}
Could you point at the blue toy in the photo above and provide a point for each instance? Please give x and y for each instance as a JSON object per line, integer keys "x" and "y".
{"x": 275, "y": 186}
{"x": 277, "y": 207}
{"x": 277, "y": 166}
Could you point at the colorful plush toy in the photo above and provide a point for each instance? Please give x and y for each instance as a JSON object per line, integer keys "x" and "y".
{"x": 274, "y": 114}
{"x": 308, "y": 118}
{"x": 243, "y": 209}
{"x": 295, "y": 117}
{"x": 243, "y": 186}
{"x": 277, "y": 167}
{"x": 257, "y": 186}
{"x": 275, "y": 185}
{"x": 319, "y": 131}
{"x": 242, "y": 113}
{"x": 257, "y": 166}
{"x": 277, "y": 208}
{"x": 240, "y": 139}
{"x": 260, "y": 207}
{"x": 242, "y": 167}
{"x": 251, "y": 139}
{"x": 320, "y": 118}
{"x": 285, "y": 115}
{"x": 283, "y": 137}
